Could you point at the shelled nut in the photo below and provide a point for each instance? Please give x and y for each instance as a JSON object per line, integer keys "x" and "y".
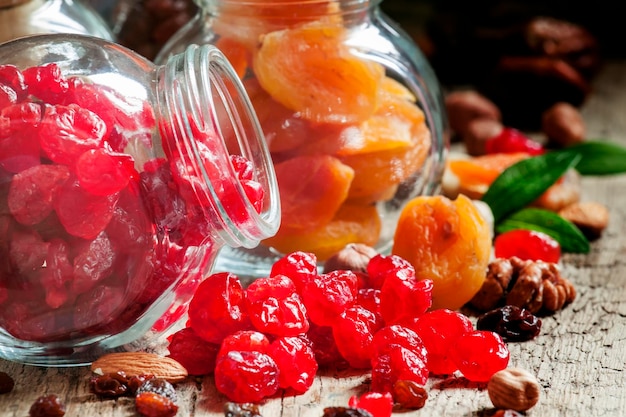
{"x": 514, "y": 389}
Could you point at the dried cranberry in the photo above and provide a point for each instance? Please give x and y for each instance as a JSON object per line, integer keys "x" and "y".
{"x": 380, "y": 266}
{"x": 479, "y": 355}
{"x": 296, "y": 361}
{"x": 11, "y": 76}
{"x": 327, "y": 296}
{"x": 527, "y": 245}
{"x": 513, "y": 323}
{"x": 194, "y": 353}
{"x": 46, "y": 82}
{"x": 301, "y": 267}
{"x": 6, "y": 383}
{"x": 438, "y": 330}
{"x": 101, "y": 172}
{"x": 397, "y": 363}
{"x": 19, "y": 123}
{"x": 275, "y": 308}
{"x": 404, "y": 298}
{"x": 246, "y": 376}
{"x": 511, "y": 141}
{"x": 377, "y": 403}
{"x": 150, "y": 404}
{"x": 244, "y": 341}
{"x": 354, "y": 333}
{"x": 217, "y": 308}
{"x": 324, "y": 347}
{"x": 47, "y": 406}
{"x": 400, "y": 335}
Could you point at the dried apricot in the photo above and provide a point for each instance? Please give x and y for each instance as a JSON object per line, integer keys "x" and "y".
{"x": 378, "y": 171}
{"x": 237, "y": 53}
{"x": 310, "y": 201}
{"x": 447, "y": 241}
{"x": 351, "y": 224}
{"x": 311, "y": 70}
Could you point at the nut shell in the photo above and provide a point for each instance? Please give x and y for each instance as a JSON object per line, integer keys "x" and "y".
{"x": 514, "y": 389}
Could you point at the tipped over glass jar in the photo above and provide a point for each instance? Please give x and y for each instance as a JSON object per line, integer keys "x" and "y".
{"x": 351, "y": 111}
{"x": 120, "y": 181}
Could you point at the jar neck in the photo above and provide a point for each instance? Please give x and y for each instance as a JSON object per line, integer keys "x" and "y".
{"x": 298, "y": 9}
{"x": 205, "y": 116}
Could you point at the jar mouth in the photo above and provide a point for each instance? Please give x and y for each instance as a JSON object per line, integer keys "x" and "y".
{"x": 209, "y": 99}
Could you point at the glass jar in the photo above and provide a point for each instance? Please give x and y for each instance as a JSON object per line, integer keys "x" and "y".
{"x": 119, "y": 182}
{"x": 31, "y": 17}
{"x": 351, "y": 110}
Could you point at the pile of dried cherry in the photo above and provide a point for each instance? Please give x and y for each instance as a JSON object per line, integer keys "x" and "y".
{"x": 275, "y": 333}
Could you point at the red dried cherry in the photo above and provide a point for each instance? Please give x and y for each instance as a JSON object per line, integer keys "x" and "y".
{"x": 378, "y": 404}
{"x": 327, "y": 296}
{"x": 101, "y": 172}
{"x": 511, "y": 141}
{"x": 479, "y": 355}
{"x": 194, "y": 353}
{"x": 246, "y": 376}
{"x": 354, "y": 332}
{"x": 527, "y": 245}
{"x": 244, "y": 341}
{"x": 399, "y": 335}
{"x": 395, "y": 364}
{"x": 438, "y": 330}
{"x": 217, "y": 308}
{"x": 380, "y": 266}
{"x": 296, "y": 361}
{"x": 300, "y": 266}
{"x": 404, "y": 298}
{"x": 47, "y": 406}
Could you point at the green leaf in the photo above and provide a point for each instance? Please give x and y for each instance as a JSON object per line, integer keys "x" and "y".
{"x": 599, "y": 158}
{"x": 523, "y": 182}
{"x": 563, "y": 231}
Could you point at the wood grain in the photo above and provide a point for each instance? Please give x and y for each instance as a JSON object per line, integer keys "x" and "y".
{"x": 579, "y": 358}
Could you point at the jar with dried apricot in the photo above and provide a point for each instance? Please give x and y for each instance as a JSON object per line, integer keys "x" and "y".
{"x": 351, "y": 111}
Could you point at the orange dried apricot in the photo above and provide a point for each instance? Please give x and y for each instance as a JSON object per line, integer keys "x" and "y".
{"x": 351, "y": 224}
{"x": 397, "y": 144}
{"x": 447, "y": 241}
{"x": 310, "y": 70}
{"x": 237, "y": 54}
{"x": 311, "y": 200}
{"x": 475, "y": 174}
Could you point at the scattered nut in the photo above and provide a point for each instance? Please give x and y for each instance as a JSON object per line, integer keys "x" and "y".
{"x": 514, "y": 389}
{"x": 464, "y": 106}
{"x": 353, "y": 257}
{"x": 563, "y": 124}
{"x": 477, "y": 132}
{"x": 562, "y": 194}
{"x": 140, "y": 363}
{"x": 590, "y": 217}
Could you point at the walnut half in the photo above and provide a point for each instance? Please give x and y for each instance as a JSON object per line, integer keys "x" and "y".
{"x": 533, "y": 285}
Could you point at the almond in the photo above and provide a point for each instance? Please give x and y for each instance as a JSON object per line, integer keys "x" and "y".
{"x": 590, "y": 217}
{"x": 140, "y": 363}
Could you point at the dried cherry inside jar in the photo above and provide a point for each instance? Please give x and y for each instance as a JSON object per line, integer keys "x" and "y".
{"x": 120, "y": 181}
{"x": 351, "y": 111}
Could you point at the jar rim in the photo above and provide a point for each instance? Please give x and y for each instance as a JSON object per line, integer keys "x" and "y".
{"x": 210, "y": 83}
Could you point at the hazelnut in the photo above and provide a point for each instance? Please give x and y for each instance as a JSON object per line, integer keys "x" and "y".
{"x": 353, "y": 257}
{"x": 478, "y": 132}
{"x": 563, "y": 124}
{"x": 464, "y": 106}
{"x": 513, "y": 389}
{"x": 590, "y": 217}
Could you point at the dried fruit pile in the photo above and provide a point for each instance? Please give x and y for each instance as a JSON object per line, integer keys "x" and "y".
{"x": 342, "y": 132}
{"x": 89, "y": 236}
{"x": 278, "y": 331}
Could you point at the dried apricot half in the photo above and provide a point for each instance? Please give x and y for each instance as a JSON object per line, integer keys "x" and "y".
{"x": 310, "y": 70}
{"x": 351, "y": 224}
{"x": 447, "y": 241}
{"x": 311, "y": 200}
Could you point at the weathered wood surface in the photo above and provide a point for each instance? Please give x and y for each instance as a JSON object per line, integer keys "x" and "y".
{"x": 579, "y": 358}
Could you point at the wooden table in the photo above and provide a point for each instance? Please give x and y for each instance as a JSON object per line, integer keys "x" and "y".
{"x": 579, "y": 358}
